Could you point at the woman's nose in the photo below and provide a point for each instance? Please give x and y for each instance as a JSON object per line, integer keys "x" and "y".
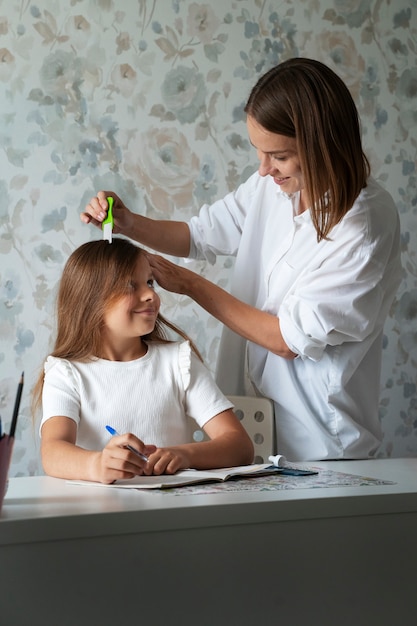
{"x": 264, "y": 164}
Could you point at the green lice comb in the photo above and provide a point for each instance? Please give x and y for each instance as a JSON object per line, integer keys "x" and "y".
{"x": 108, "y": 223}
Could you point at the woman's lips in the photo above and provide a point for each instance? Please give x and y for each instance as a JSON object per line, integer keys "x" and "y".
{"x": 280, "y": 181}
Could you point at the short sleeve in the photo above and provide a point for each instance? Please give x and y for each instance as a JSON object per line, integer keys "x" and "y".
{"x": 184, "y": 360}
{"x": 203, "y": 398}
{"x": 60, "y": 394}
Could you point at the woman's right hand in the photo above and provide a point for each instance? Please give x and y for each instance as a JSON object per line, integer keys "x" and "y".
{"x": 96, "y": 211}
{"x": 166, "y": 236}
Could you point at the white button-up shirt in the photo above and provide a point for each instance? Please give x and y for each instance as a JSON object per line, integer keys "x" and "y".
{"x": 331, "y": 298}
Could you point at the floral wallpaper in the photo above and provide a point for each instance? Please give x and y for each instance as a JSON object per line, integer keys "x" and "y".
{"x": 146, "y": 98}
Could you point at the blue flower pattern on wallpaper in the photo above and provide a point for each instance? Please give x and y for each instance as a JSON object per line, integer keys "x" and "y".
{"x": 146, "y": 98}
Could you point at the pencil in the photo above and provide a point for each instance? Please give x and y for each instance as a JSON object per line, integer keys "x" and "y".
{"x": 16, "y": 406}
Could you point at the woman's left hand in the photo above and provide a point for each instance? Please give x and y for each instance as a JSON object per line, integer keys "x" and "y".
{"x": 170, "y": 276}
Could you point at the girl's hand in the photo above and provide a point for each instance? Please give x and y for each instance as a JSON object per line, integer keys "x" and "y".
{"x": 166, "y": 461}
{"x": 96, "y": 211}
{"x": 117, "y": 462}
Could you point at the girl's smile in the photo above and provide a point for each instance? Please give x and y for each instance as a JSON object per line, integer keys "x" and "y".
{"x": 132, "y": 316}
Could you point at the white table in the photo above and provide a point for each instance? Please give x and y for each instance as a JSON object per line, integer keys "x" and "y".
{"x": 75, "y": 555}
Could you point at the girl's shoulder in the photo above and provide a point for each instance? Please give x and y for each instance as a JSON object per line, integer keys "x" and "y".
{"x": 180, "y": 356}
{"x": 54, "y": 362}
{"x": 179, "y": 351}
{"x": 59, "y": 365}
{"x": 58, "y": 371}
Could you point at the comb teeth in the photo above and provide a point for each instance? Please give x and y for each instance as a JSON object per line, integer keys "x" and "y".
{"x": 107, "y": 232}
{"x": 108, "y": 223}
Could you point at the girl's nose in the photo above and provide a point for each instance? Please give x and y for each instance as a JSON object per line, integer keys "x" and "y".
{"x": 148, "y": 293}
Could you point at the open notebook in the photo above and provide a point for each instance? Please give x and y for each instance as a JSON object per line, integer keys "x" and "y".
{"x": 191, "y": 477}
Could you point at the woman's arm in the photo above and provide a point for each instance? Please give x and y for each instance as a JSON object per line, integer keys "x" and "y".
{"x": 229, "y": 445}
{"x": 251, "y": 323}
{"x": 166, "y": 236}
{"x": 62, "y": 458}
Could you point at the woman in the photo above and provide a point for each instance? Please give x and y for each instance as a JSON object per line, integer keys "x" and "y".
{"x": 317, "y": 247}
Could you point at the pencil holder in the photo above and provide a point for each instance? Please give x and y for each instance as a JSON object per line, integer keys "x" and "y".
{"x": 6, "y": 449}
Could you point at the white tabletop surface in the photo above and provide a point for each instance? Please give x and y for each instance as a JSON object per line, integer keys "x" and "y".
{"x": 41, "y": 507}
{"x": 175, "y": 559}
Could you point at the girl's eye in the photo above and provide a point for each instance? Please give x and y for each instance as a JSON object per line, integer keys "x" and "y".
{"x": 151, "y": 283}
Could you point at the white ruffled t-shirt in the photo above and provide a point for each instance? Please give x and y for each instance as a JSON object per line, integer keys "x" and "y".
{"x": 150, "y": 397}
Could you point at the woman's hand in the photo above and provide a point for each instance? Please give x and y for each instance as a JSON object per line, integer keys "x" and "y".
{"x": 96, "y": 211}
{"x": 166, "y": 236}
{"x": 170, "y": 276}
{"x": 249, "y": 322}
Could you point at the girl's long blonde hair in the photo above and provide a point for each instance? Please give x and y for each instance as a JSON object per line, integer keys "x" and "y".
{"x": 95, "y": 276}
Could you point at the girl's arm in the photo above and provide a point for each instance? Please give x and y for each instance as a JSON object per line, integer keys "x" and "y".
{"x": 229, "y": 445}
{"x": 62, "y": 458}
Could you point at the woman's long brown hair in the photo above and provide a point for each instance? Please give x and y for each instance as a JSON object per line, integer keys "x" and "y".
{"x": 95, "y": 276}
{"x": 304, "y": 99}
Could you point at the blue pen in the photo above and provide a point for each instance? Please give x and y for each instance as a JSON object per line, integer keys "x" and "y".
{"x": 113, "y": 432}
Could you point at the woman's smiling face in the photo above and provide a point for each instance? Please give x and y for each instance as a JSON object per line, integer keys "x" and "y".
{"x": 278, "y": 157}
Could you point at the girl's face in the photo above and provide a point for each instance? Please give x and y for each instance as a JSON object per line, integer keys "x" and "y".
{"x": 278, "y": 157}
{"x": 133, "y": 315}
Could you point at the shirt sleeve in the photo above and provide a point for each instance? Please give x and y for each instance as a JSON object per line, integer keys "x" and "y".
{"x": 218, "y": 227}
{"x": 343, "y": 300}
{"x": 203, "y": 398}
{"x": 60, "y": 395}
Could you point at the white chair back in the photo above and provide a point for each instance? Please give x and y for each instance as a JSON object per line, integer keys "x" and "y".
{"x": 257, "y": 417}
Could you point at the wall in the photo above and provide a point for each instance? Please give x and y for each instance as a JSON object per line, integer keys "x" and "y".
{"x": 145, "y": 98}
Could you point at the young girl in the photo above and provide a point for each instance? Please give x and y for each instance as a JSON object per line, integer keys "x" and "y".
{"x": 112, "y": 364}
